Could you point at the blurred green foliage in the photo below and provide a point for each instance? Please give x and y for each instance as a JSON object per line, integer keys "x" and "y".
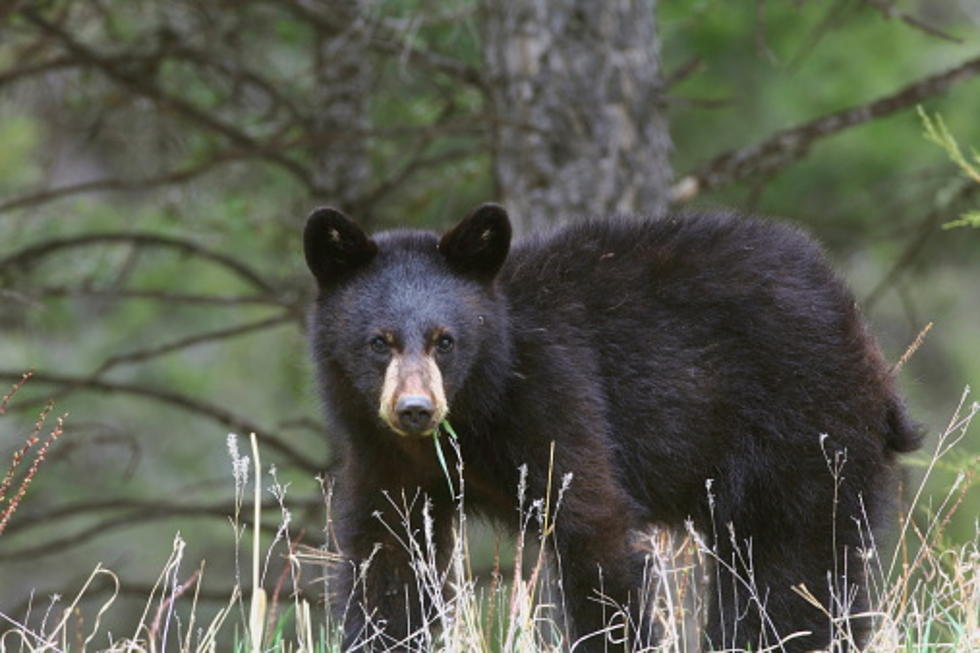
{"x": 864, "y": 192}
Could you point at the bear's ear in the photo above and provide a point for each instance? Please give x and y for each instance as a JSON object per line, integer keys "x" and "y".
{"x": 478, "y": 245}
{"x": 335, "y": 246}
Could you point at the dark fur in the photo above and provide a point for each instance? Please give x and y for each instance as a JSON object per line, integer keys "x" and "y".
{"x": 656, "y": 355}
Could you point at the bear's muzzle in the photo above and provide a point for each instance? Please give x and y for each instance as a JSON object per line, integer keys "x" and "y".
{"x": 413, "y": 401}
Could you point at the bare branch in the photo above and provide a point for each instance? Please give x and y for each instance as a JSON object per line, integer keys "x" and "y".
{"x": 238, "y": 74}
{"x": 166, "y": 179}
{"x": 190, "y": 341}
{"x": 888, "y": 10}
{"x": 789, "y": 145}
{"x": 17, "y": 73}
{"x": 29, "y": 255}
{"x": 682, "y": 72}
{"x": 222, "y": 416}
{"x": 145, "y": 514}
{"x": 417, "y": 164}
{"x": 928, "y": 227}
{"x": 156, "y": 295}
{"x": 217, "y": 509}
{"x": 142, "y": 85}
{"x": 388, "y": 40}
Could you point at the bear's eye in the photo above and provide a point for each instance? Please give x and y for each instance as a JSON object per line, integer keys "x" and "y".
{"x": 445, "y": 343}
{"x": 378, "y": 344}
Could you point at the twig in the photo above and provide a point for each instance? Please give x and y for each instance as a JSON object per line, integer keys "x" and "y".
{"x": 161, "y": 296}
{"x": 412, "y": 167}
{"x": 238, "y": 74}
{"x": 115, "y": 184}
{"x": 104, "y": 527}
{"x": 888, "y": 10}
{"x": 190, "y": 341}
{"x": 27, "y": 256}
{"x": 20, "y": 72}
{"x": 143, "y": 86}
{"x": 222, "y": 416}
{"x": 928, "y": 227}
{"x": 910, "y": 351}
{"x": 682, "y": 72}
{"x": 789, "y": 145}
{"x": 388, "y": 41}
{"x": 219, "y": 510}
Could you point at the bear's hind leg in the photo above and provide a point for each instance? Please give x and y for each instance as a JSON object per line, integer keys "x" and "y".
{"x": 753, "y": 603}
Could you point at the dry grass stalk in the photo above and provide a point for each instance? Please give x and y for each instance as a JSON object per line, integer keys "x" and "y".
{"x": 32, "y": 440}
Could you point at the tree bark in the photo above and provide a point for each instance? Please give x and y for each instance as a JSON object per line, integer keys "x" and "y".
{"x": 578, "y": 122}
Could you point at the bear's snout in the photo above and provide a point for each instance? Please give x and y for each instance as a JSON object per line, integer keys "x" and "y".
{"x": 413, "y": 401}
{"x": 415, "y": 414}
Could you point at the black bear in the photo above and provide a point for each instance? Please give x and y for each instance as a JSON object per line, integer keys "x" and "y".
{"x": 667, "y": 360}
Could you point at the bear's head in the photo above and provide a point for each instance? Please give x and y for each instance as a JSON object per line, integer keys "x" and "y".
{"x": 403, "y": 318}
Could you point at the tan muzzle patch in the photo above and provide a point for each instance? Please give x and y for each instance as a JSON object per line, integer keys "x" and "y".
{"x": 413, "y": 401}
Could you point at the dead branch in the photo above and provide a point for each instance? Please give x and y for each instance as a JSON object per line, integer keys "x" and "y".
{"x": 682, "y": 72}
{"x": 22, "y": 72}
{"x": 81, "y": 508}
{"x": 190, "y": 341}
{"x": 239, "y": 75}
{"x": 887, "y": 9}
{"x": 142, "y": 85}
{"x": 31, "y": 254}
{"x": 217, "y": 414}
{"x": 928, "y": 227}
{"x": 158, "y": 295}
{"x": 103, "y": 527}
{"x": 387, "y": 39}
{"x": 414, "y": 166}
{"x": 789, "y": 145}
{"x": 115, "y": 184}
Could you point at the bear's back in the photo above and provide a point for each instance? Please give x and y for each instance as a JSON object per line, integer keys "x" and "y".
{"x": 700, "y": 264}
{"x": 702, "y": 328}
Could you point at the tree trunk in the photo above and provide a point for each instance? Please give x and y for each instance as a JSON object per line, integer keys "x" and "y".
{"x": 578, "y": 125}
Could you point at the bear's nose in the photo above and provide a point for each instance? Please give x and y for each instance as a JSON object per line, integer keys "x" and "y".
{"x": 414, "y": 413}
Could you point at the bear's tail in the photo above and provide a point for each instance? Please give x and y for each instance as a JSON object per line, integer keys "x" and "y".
{"x": 902, "y": 434}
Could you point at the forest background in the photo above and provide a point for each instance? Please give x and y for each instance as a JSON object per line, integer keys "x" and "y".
{"x": 158, "y": 159}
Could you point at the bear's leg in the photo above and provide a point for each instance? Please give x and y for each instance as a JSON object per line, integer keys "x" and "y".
{"x": 375, "y": 593}
{"x": 601, "y": 571}
{"x": 753, "y": 605}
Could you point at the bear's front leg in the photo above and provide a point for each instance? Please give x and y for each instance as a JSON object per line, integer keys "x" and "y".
{"x": 602, "y": 575}
{"x": 599, "y": 564}
{"x": 379, "y": 592}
